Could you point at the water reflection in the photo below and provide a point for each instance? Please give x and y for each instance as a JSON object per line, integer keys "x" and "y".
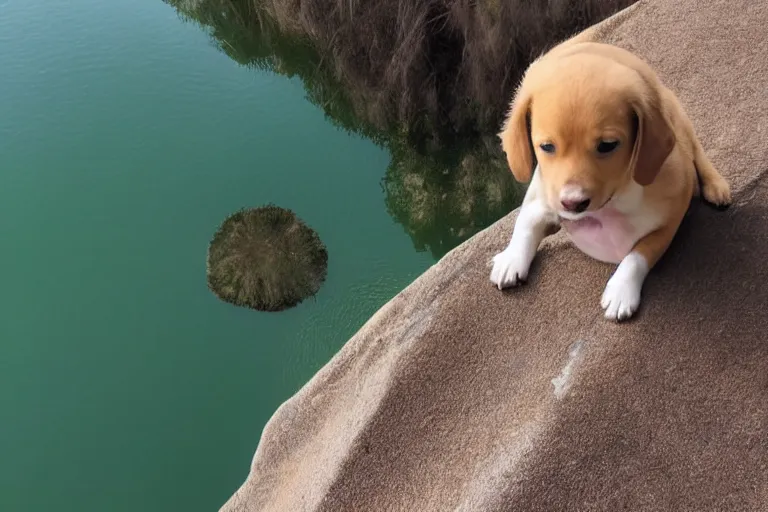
{"x": 429, "y": 82}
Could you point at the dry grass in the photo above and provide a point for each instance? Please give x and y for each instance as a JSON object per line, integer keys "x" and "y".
{"x": 266, "y": 259}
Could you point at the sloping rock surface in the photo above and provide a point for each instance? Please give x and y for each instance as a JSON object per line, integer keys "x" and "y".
{"x": 458, "y": 397}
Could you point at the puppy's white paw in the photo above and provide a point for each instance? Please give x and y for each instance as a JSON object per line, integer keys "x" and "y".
{"x": 510, "y": 268}
{"x": 621, "y": 297}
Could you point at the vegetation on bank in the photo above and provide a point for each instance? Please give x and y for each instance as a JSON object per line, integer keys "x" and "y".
{"x": 427, "y": 79}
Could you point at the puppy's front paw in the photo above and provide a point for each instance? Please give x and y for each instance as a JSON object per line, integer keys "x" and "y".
{"x": 717, "y": 192}
{"x": 510, "y": 268}
{"x": 621, "y": 298}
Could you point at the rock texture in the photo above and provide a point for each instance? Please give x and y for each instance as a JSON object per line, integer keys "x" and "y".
{"x": 458, "y": 397}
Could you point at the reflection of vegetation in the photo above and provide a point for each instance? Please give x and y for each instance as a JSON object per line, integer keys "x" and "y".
{"x": 251, "y": 37}
{"x": 266, "y": 259}
{"x": 443, "y": 199}
{"x": 428, "y": 79}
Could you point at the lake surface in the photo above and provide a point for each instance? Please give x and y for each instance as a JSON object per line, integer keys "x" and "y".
{"x": 126, "y": 137}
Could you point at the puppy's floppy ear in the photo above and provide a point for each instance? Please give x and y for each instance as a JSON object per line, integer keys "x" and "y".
{"x": 654, "y": 139}
{"x": 515, "y": 136}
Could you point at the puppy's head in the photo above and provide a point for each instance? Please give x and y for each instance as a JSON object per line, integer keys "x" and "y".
{"x": 592, "y": 119}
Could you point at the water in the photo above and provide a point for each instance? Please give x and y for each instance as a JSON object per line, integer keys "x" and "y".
{"x": 126, "y": 137}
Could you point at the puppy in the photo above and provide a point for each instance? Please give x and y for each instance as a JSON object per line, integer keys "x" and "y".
{"x": 616, "y": 165}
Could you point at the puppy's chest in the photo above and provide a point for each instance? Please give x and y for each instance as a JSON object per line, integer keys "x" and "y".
{"x": 609, "y": 234}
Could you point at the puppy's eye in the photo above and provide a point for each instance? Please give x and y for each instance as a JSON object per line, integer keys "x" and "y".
{"x": 547, "y": 147}
{"x": 607, "y": 146}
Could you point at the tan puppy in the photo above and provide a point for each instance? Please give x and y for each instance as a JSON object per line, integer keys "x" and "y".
{"x": 617, "y": 162}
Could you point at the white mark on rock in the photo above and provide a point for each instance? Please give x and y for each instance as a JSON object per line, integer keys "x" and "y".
{"x": 562, "y": 382}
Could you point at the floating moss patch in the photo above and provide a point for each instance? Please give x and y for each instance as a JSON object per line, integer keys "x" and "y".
{"x": 266, "y": 259}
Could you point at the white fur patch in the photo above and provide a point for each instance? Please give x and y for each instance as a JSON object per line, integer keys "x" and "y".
{"x": 643, "y": 217}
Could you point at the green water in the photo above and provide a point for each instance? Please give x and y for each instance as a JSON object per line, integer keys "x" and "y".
{"x": 125, "y": 139}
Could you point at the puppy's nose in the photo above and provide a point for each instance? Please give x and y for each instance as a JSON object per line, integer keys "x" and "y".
{"x": 575, "y": 205}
